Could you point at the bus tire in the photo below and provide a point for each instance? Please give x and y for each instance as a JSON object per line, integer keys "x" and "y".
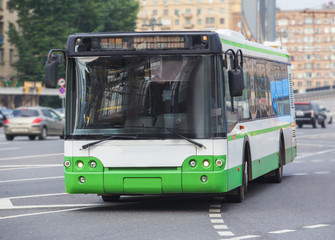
{"x": 237, "y": 195}
{"x": 110, "y": 198}
{"x": 276, "y": 176}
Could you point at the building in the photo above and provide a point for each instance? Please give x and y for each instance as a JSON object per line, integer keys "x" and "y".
{"x": 309, "y": 36}
{"x": 188, "y": 14}
{"x": 8, "y": 53}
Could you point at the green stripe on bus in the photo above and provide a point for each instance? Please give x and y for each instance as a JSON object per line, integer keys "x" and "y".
{"x": 258, "y": 132}
{"x": 255, "y": 49}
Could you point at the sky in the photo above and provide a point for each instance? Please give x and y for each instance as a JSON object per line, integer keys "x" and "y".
{"x": 300, "y": 4}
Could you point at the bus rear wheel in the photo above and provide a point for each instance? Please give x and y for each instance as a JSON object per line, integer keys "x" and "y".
{"x": 276, "y": 176}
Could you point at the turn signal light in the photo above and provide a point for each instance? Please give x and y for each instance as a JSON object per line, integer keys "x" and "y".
{"x": 219, "y": 162}
{"x": 67, "y": 163}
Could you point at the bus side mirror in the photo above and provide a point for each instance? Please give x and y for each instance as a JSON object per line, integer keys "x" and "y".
{"x": 51, "y": 68}
{"x": 235, "y": 75}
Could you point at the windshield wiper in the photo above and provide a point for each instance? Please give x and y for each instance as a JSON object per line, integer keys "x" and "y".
{"x": 186, "y": 138}
{"x": 105, "y": 139}
{"x": 136, "y": 137}
{"x": 177, "y": 134}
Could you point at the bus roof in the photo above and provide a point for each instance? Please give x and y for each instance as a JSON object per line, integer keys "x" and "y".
{"x": 235, "y": 40}
{"x": 174, "y": 42}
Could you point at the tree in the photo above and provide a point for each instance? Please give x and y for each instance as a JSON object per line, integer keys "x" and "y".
{"x": 45, "y": 24}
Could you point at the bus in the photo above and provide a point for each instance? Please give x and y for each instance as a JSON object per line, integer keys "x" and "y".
{"x": 175, "y": 112}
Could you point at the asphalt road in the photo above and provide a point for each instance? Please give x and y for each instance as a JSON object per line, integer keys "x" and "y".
{"x": 34, "y": 205}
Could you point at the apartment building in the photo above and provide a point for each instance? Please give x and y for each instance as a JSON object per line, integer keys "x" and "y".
{"x": 309, "y": 36}
{"x": 8, "y": 53}
{"x": 188, "y": 14}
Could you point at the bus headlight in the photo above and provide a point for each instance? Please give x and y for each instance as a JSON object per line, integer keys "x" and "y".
{"x": 205, "y": 163}
{"x": 80, "y": 164}
{"x": 203, "y": 178}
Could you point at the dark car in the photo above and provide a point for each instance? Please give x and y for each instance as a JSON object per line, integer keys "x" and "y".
{"x": 309, "y": 113}
{"x": 34, "y": 122}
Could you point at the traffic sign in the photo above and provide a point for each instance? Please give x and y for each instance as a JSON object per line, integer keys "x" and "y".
{"x": 62, "y": 90}
{"x": 61, "y": 82}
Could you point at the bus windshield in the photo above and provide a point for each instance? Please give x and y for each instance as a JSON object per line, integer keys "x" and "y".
{"x": 147, "y": 96}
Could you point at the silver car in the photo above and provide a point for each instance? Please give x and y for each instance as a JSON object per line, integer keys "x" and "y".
{"x": 34, "y": 122}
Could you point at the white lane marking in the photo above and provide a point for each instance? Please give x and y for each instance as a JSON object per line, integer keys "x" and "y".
{"x": 242, "y": 237}
{"x": 225, "y": 233}
{"x": 27, "y": 167}
{"x": 31, "y": 179}
{"x": 316, "y": 226}
{"x": 32, "y": 156}
{"x": 214, "y": 210}
{"x": 299, "y": 174}
{"x": 217, "y": 221}
{"x": 214, "y": 215}
{"x": 283, "y": 231}
{"x": 215, "y": 205}
{"x": 10, "y": 148}
{"x": 317, "y": 160}
{"x": 322, "y": 172}
{"x": 41, "y": 213}
{"x": 39, "y": 195}
{"x": 314, "y": 145}
{"x": 46, "y": 206}
{"x": 220, "y": 227}
{"x": 5, "y": 203}
{"x": 315, "y": 153}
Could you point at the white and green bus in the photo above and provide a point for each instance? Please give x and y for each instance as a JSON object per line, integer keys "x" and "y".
{"x": 174, "y": 113}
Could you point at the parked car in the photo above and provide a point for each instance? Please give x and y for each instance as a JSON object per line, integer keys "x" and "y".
{"x": 2, "y": 118}
{"x": 6, "y": 111}
{"x": 34, "y": 122}
{"x": 61, "y": 112}
{"x": 328, "y": 114}
{"x": 309, "y": 113}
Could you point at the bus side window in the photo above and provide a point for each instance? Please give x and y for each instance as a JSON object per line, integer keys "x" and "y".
{"x": 243, "y": 101}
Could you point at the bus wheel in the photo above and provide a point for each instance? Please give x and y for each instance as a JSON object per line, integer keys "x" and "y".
{"x": 237, "y": 195}
{"x": 276, "y": 176}
{"x": 110, "y": 198}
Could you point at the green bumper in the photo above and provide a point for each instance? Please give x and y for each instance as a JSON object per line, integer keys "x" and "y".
{"x": 184, "y": 179}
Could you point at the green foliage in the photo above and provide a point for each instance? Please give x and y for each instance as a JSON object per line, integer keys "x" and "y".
{"x": 46, "y": 24}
